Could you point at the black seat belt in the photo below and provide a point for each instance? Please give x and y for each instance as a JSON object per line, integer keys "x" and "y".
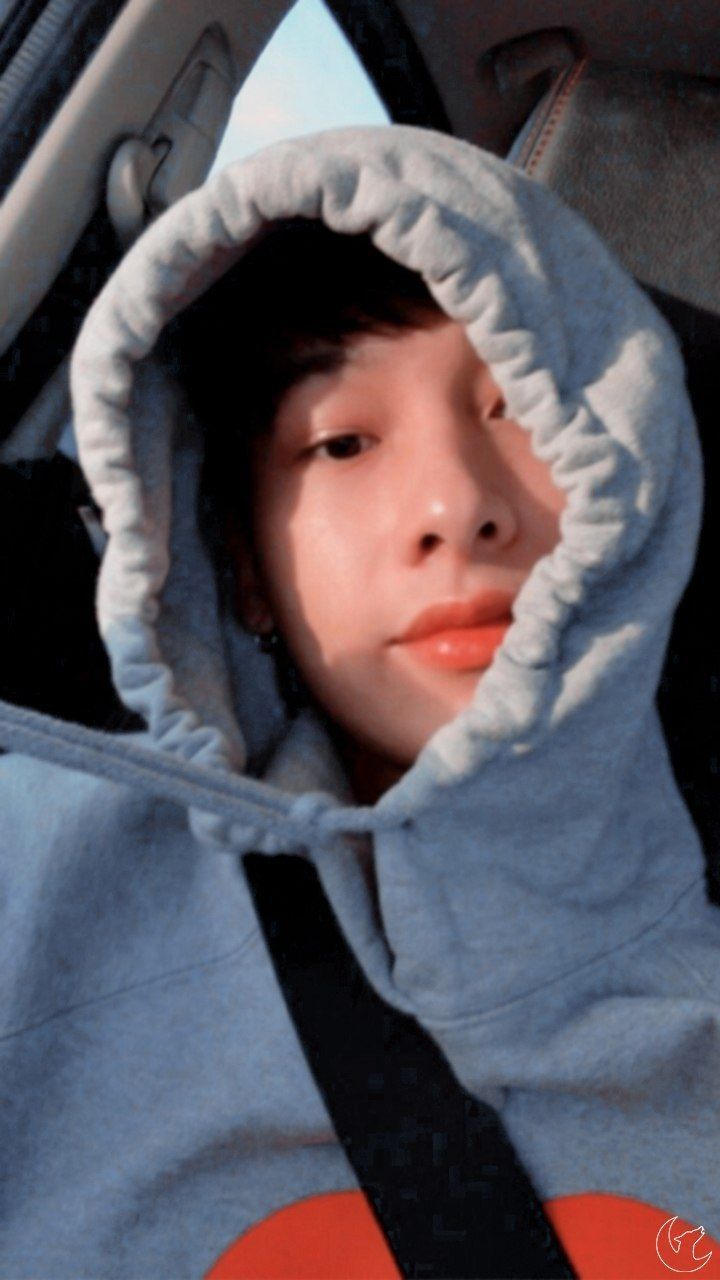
{"x": 440, "y": 1173}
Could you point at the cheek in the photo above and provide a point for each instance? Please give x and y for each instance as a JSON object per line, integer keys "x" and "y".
{"x": 316, "y": 560}
{"x": 537, "y": 494}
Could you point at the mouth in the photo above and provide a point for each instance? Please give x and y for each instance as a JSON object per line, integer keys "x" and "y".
{"x": 459, "y": 635}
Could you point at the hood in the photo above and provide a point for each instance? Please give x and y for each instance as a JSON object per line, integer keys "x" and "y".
{"x": 560, "y": 751}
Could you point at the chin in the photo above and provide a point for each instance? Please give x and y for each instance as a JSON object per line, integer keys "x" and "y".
{"x": 406, "y": 750}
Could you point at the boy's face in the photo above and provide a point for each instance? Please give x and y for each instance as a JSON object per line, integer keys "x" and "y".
{"x": 396, "y": 514}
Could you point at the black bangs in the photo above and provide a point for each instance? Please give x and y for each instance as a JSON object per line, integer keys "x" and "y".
{"x": 289, "y": 308}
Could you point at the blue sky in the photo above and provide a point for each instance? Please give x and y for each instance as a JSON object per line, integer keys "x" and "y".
{"x": 307, "y": 78}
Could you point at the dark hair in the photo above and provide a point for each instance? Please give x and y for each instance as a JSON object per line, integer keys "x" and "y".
{"x": 288, "y": 308}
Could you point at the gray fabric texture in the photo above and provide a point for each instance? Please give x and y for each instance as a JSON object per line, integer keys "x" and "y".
{"x": 540, "y": 884}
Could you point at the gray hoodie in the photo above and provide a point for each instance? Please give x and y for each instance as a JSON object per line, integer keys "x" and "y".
{"x": 541, "y": 905}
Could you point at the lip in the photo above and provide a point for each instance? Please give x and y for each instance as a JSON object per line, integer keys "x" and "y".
{"x": 459, "y": 635}
{"x": 449, "y": 615}
{"x": 460, "y": 648}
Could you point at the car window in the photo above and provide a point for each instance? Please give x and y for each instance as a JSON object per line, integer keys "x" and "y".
{"x": 308, "y": 77}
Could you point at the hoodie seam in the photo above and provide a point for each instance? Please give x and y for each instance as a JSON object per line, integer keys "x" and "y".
{"x": 470, "y": 1019}
{"x": 181, "y": 970}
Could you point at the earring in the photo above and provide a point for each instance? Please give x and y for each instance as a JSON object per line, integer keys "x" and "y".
{"x": 266, "y": 642}
{"x": 290, "y": 684}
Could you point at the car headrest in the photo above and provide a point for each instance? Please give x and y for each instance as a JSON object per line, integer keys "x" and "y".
{"x": 637, "y": 152}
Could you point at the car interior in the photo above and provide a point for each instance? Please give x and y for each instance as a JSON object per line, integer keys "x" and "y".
{"x": 112, "y": 109}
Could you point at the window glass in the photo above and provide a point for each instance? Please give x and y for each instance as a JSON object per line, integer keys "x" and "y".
{"x": 307, "y": 77}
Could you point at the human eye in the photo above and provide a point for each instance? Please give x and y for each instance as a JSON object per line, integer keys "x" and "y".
{"x": 340, "y": 447}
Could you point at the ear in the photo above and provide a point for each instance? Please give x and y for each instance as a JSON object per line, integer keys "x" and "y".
{"x": 251, "y": 602}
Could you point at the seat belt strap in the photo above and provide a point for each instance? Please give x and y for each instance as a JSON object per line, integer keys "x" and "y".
{"x": 435, "y": 1164}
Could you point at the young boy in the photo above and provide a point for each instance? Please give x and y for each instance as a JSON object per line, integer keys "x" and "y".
{"x": 439, "y": 525}
{"x": 469, "y": 521}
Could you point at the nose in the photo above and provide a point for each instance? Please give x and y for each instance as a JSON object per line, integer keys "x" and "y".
{"x": 457, "y": 500}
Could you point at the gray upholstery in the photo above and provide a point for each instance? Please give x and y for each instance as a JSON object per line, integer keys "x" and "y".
{"x": 638, "y": 153}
